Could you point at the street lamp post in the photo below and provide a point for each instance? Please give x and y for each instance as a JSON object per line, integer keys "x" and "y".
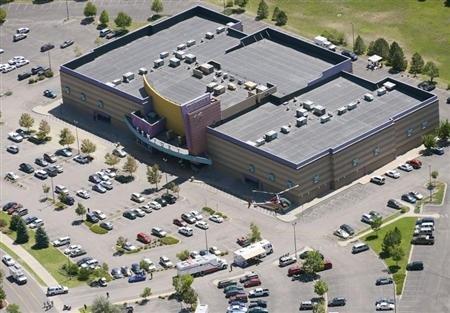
{"x": 165, "y": 173}
{"x": 67, "y": 9}
{"x": 353, "y": 36}
{"x": 206, "y": 240}
{"x": 76, "y": 133}
{"x": 49, "y": 60}
{"x": 53, "y": 189}
{"x": 430, "y": 186}
{"x": 295, "y": 239}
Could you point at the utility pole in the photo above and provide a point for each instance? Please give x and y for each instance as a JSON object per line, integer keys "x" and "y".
{"x": 430, "y": 186}
{"x": 353, "y": 36}
{"x": 206, "y": 240}
{"x": 395, "y": 298}
{"x": 67, "y": 9}
{"x": 53, "y": 189}
{"x": 49, "y": 60}
{"x": 165, "y": 172}
{"x": 295, "y": 240}
{"x": 76, "y": 133}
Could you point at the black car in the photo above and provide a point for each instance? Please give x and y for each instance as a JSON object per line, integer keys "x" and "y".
{"x": 257, "y": 303}
{"x": 52, "y": 171}
{"x": 49, "y": 94}
{"x": 415, "y": 266}
{"x": 40, "y": 162}
{"x": 408, "y": 198}
{"x": 161, "y": 201}
{"x": 84, "y": 260}
{"x": 338, "y": 301}
{"x": 438, "y": 150}
{"x": 448, "y": 100}
{"x": 36, "y": 69}
{"x": 426, "y": 85}
{"x": 69, "y": 200}
{"x": 47, "y": 46}
{"x": 169, "y": 198}
{"x": 392, "y": 203}
{"x": 66, "y": 44}
{"x": 350, "y": 54}
{"x": 30, "y": 219}
{"x": 90, "y": 217}
{"x": 129, "y": 215}
{"x": 384, "y": 281}
{"x": 94, "y": 179}
{"x": 12, "y": 149}
{"x": 23, "y": 76}
{"x": 11, "y": 205}
{"x": 348, "y": 229}
{"x": 27, "y": 168}
{"x": 21, "y": 212}
{"x": 50, "y": 158}
{"x": 226, "y": 283}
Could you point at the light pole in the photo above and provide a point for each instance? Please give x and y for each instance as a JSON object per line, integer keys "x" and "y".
{"x": 67, "y": 9}
{"x": 165, "y": 172}
{"x": 53, "y": 189}
{"x": 395, "y": 298}
{"x": 353, "y": 36}
{"x": 430, "y": 186}
{"x": 206, "y": 241}
{"x": 295, "y": 239}
{"x": 76, "y": 133}
{"x": 49, "y": 60}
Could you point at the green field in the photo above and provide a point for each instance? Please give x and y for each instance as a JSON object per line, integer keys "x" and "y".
{"x": 406, "y": 227}
{"x": 418, "y": 26}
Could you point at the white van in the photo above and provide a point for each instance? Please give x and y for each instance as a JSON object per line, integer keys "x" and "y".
{"x": 359, "y": 247}
{"x": 104, "y": 32}
{"x": 62, "y": 241}
{"x": 426, "y": 224}
{"x": 137, "y": 197}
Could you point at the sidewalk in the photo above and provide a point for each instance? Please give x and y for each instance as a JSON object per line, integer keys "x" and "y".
{"x": 292, "y": 215}
{"x": 30, "y": 260}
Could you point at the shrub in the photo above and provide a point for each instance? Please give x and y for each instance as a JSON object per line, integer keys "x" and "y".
{"x": 3, "y": 223}
{"x": 32, "y": 80}
{"x": 41, "y": 77}
{"x": 335, "y": 37}
{"x": 208, "y": 210}
{"x": 48, "y": 73}
{"x": 169, "y": 240}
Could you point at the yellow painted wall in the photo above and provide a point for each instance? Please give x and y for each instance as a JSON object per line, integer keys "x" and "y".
{"x": 164, "y": 107}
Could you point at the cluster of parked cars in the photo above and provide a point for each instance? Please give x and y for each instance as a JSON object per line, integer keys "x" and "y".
{"x": 238, "y": 298}
{"x": 15, "y": 208}
{"x": 102, "y": 180}
{"x": 14, "y": 63}
{"x": 134, "y": 273}
{"x": 344, "y": 231}
{"x": 310, "y": 304}
{"x": 296, "y": 271}
{"x": 423, "y": 232}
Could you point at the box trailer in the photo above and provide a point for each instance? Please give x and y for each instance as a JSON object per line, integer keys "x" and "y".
{"x": 17, "y": 275}
{"x": 201, "y": 265}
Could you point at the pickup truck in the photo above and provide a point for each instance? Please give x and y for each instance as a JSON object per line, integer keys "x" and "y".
{"x": 258, "y": 292}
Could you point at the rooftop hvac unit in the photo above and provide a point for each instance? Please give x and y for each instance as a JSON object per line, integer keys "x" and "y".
{"x": 389, "y": 86}
{"x": 182, "y": 46}
{"x": 261, "y": 88}
{"x": 368, "y": 97}
{"x": 220, "y": 29}
{"x": 301, "y": 112}
{"x": 230, "y": 24}
{"x": 210, "y": 87}
{"x": 179, "y": 55}
{"x": 260, "y": 141}
{"x": 341, "y": 110}
{"x": 127, "y": 77}
{"x": 250, "y": 85}
{"x": 270, "y": 135}
{"x": 209, "y": 35}
{"x": 190, "y": 58}
{"x": 352, "y": 105}
{"x": 143, "y": 71}
{"x": 301, "y": 121}
{"x": 206, "y": 68}
{"x": 308, "y": 105}
{"x": 218, "y": 90}
{"x": 174, "y": 62}
{"x": 158, "y": 63}
{"x": 381, "y": 91}
{"x": 319, "y": 110}
{"x": 117, "y": 81}
{"x": 325, "y": 118}
{"x": 190, "y": 43}
{"x": 231, "y": 86}
{"x": 225, "y": 75}
{"x": 163, "y": 55}
{"x": 285, "y": 129}
{"x": 219, "y": 73}
{"x": 285, "y": 102}
{"x": 197, "y": 73}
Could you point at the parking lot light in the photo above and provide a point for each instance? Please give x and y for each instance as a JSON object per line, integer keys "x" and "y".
{"x": 53, "y": 189}
{"x": 76, "y": 134}
{"x": 206, "y": 240}
{"x": 295, "y": 240}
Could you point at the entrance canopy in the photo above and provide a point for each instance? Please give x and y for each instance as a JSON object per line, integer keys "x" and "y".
{"x": 375, "y": 59}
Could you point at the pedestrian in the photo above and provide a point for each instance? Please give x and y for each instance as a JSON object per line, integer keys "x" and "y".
{"x": 151, "y": 275}
{"x": 231, "y": 267}
{"x": 89, "y": 210}
{"x": 51, "y": 303}
{"x": 85, "y": 307}
{"x": 107, "y": 295}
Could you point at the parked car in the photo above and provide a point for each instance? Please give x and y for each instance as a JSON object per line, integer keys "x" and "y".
{"x": 392, "y": 203}
{"x": 94, "y": 179}
{"x": 13, "y": 136}
{"x": 247, "y": 277}
{"x": 119, "y": 152}
{"x": 12, "y": 149}
{"x": 57, "y": 290}
{"x": 415, "y": 163}
{"x": 252, "y": 283}
{"x": 47, "y": 46}
{"x": 188, "y": 218}
{"x": 379, "y": 180}
{"x": 406, "y": 167}
{"x": 202, "y": 225}
{"x": 423, "y": 240}
{"x": 179, "y": 222}
{"x": 416, "y": 195}
{"x": 137, "y": 278}
{"x": 41, "y": 162}
{"x": 129, "y": 215}
{"x": 393, "y": 174}
{"x": 49, "y": 94}
{"x": 359, "y": 247}
{"x": 8, "y": 260}
{"x": 138, "y": 212}
{"x": 350, "y": 54}
{"x": 257, "y": 303}
{"x": 66, "y": 44}
{"x": 106, "y": 225}
{"x": 62, "y": 241}
{"x": 61, "y": 189}
{"x": 82, "y": 193}
{"x": 169, "y": 198}
{"x": 137, "y": 197}
{"x": 22, "y": 30}
{"x": 17, "y": 37}
{"x": 50, "y": 158}
{"x": 438, "y": 150}
{"x": 341, "y": 233}
{"x": 37, "y": 223}
{"x": 99, "y": 188}
{"x": 35, "y": 70}
{"x": 383, "y": 281}
{"x": 21, "y": 212}
{"x": 258, "y": 292}
{"x": 337, "y": 301}
{"x": 214, "y": 250}
{"x": 99, "y": 214}
{"x": 161, "y": 201}
{"x": 23, "y": 76}
{"x": 41, "y": 174}
{"x": 408, "y": 198}
{"x": 82, "y": 159}
{"x": 144, "y": 238}
{"x": 154, "y": 205}
{"x": 216, "y": 218}
{"x": 159, "y": 232}
{"x": 196, "y": 215}
{"x": 91, "y": 217}
{"x": 186, "y": 231}
{"x": 225, "y": 283}
{"x": 348, "y": 229}
{"x": 165, "y": 262}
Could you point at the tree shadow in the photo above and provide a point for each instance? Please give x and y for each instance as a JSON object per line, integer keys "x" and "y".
{"x": 393, "y": 269}
{"x": 154, "y": 17}
{"x": 87, "y": 21}
{"x": 384, "y": 255}
{"x": 77, "y": 222}
{"x": 371, "y": 237}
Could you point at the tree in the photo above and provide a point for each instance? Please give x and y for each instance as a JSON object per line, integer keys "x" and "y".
{"x": 123, "y": 20}
{"x": 104, "y": 18}
{"x": 241, "y": 3}
{"x": 13, "y": 222}
{"x": 282, "y": 18}
{"x": 416, "y": 64}
{"x": 263, "y": 10}
{"x": 189, "y": 296}
{"x": 370, "y": 48}
{"x": 2, "y": 294}
{"x": 376, "y": 224}
{"x": 429, "y": 141}
{"x": 157, "y": 6}
{"x": 41, "y": 238}
{"x": 43, "y": 131}
{"x": 430, "y": 69}
{"x": 103, "y": 305}
{"x": 144, "y": 265}
{"x": 183, "y": 255}
{"x": 173, "y": 187}
{"x": 90, "y": 10}
{"x": 447, "y": 3}
{"x": 130, "y": 165}
{"x": 434, "y": 175}
{"x": 182, "y": 283}
{"x": 443, "y": 131}
{"x": 111, "y": 159}
{"x": 154, "y": 175}
{"x": 121, "y": 241}
{"x": 80, "y": 209}
{"x": 397, "y": 254}
{"x": 88, "y": 146}
{"x": 147, "y": 292}
{"x": 381, "y": 48}
{"x": 319, "y": 308}
{"x": 313, "y": 262}
{"x": 396, "y": 58}
{"x": 255, "y": 233}
{"x": 66, "y": 138}
{"x": 84, "y": 273}
{"x": 22, "y": 232}
{"x": 26, "y": 121}
{"x": 275, "y": 13}
{"x": 320, "y": 288}
{"x": 13, "y": 308}
{"x": 2, "y": 16}
{"x": 391, "y": 239}
{"x": 360, "y": 47}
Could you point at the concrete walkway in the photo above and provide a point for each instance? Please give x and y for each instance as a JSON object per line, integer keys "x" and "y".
{"x": 30, "y": 260}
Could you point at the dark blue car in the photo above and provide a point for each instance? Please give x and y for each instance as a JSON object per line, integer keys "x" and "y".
{"x": 136, "y": 278}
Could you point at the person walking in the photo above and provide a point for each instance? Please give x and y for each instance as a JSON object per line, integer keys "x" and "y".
{"x": 107, "y": 295}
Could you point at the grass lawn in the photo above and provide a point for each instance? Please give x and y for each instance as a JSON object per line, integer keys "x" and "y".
{"x": 418, "y": 26}
{"x": 437, "y": 197}
{"x": 50, "y": 258}
{"x": 406, "y": 227}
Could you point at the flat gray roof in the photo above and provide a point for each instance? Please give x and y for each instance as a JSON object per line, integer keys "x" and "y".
{"x": 315, "y": 137}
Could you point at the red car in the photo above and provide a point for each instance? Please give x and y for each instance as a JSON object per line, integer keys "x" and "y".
{"x": 252, "y": 283}
{"x": 239, "y": 297}
{"x": 144, "y": 238}
{"x": 179, "y": 223}
{"x": 327, "y": 265}
{"x": 294, "y": 270}
{"x": 416, "y": 164}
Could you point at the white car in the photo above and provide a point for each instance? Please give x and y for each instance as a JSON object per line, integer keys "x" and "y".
{"x": 385, "y": 306}
{"x": 66, "y": 152}
{"x": 8, "y": 68}
{"x": 15, "y": 137}
{"x": 159, "y": 232}
{"x": 416, "y": 195}
{"x": 21, "y": 63}
{"x": 197, "y": 215}
{"x": 139, "y": 212}
{"x": 202, "y": 225}
{"x": 129, "y": 247}
{"x": 1, "y": 51}
{"x": 107, "y": 184}
{"x": 99, "y": 214}
{"x": 109, "y": 172}
{"x": 216, "y": 218}
{"x": 186, "y": 231}
{"x": 214, "y": 250}
{"x": 119, "y": 152}
{"x": 393, "y": 174}
{"x": 8, "y": 260}
{"x": 341, "y": 233}
{"x": 406, "y": 167}
{"x": 154, "y": 205}
{"x": 22, "y": 30}
{"x": 37, "y": 223}
{"x": 61, "y": 189}
{"x": 150, "y": 264}
{"x": 82, "y": 193}
{"x": 103, "y": 176}
{"x": 146, "y": 208}
{"x": 59, "y": 168}
{"x": 165, "y": 262}
{"x": 71, "y": 248}
{"x": 12, "y": 176}
{"x": 137, "y": 197}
